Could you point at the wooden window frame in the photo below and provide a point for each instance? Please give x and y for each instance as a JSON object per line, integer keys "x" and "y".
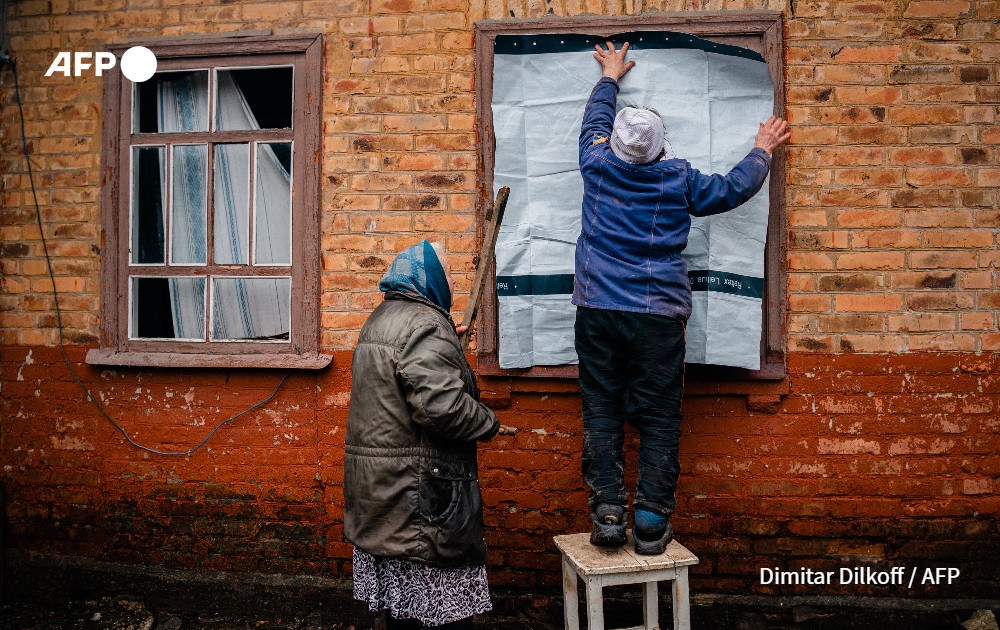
{"x": 757, "y": 30}
{"x": 304, "y": 53}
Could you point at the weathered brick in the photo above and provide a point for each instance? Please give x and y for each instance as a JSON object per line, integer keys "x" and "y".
{"x": 819, "y": 240}
{"x": 941, "y": 93}
{"x": 988, "y": 177}
{"x": 416, "y": 84}
{"x": 942, "y": 342}
{"x": 413, "y": 122}
{"x": 922, "y": 73}
{"x": 976, "y": 321}
{"x": 847, "y": 115}
{"x": 942, "y": 259}
{"x": 809, "y": 303}
{"x": 871, "y": 176}
{"x": 871, "y": 260}
{"x": 989, "y": 94}
{"x": 849, "y": 282}
{"x": 925, "y": 115}
{"x": 814, "y": 135}
{"x": 974, "y": 74}
{"x": 909, "y": 198}
{"x": 943, "y": 51}
{"x": 853, "y": 197}
{"x": 850, "y": 73}
{"x": 887, "y": 239}
{"x": 875, "y": 217}
{"x": 869, "y": 54}
{"x": 798, "y": 260}
{"x": 923, "y": 322}
{"x": 865, "y": 134}
{"x": 969, "y": 239}
{"x": 867, "y": 302}
{"x": 936, "y": 8}
{"x": 920, "y": 177}
{"x": 923, "y": 155}
{"x": 924, "y": 280}
{"x": 386, "y": 142}
{"x": 413, "y": 162}
{"x": 974, "y": 155}
{"x": 976, "y": 280}
{"x": 868, "y": 95}
{"x": 850, "y": 156}
{"x": 938, "y": 301}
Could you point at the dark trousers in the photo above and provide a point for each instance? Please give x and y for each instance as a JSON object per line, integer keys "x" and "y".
{"x": 631, "y": 370}
{"x": 391, "y": 623}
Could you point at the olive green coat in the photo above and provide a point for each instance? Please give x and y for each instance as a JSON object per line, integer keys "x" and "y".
{"x": 411, "y": 485}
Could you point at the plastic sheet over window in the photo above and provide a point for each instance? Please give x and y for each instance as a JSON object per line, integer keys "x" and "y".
{"x": 712, "y": 98}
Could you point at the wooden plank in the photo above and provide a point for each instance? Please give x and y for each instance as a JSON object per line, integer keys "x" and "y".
{"x": 221, "y": 45}
{"x": 571, "y": 603}
{"x": 493, "y": 220}
{"x": 110, "y": 243}
{"x": 595, "y": 605}
{"x": 312, "y": 361}
{"x": 650, "y": 606}
{"x": 682, "y": 601}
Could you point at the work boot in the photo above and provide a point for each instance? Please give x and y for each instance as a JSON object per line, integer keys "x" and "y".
{"x": 609, "y": 526}
{"x": 652, "y": 541}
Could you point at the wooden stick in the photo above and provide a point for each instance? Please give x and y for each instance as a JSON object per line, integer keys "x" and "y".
{"x": 494, "y": 217}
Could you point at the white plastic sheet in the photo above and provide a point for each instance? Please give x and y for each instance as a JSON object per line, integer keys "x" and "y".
{"x": 711, "y": 97}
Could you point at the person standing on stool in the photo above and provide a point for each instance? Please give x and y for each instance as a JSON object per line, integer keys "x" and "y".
{"x": 633, "y": 298}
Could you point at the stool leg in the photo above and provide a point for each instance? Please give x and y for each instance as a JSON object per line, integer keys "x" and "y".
{"x": 650, "y": 601}
{"x": 595, "y": 603}
{"x": 682, "y": 605}
{"x": 571, "y": 609}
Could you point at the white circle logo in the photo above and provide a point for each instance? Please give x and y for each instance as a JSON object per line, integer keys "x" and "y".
{"x": 138, "y": 64}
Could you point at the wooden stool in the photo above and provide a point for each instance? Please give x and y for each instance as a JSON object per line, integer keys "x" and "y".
{"x": 603, "y": 566}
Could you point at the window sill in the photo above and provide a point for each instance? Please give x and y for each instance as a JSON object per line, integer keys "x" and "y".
{"x": 105, "y": 356}
{"x": 709, "y": 375}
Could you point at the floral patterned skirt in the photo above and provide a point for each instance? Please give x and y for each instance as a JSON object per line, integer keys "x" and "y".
{"x": 409, "y": 590}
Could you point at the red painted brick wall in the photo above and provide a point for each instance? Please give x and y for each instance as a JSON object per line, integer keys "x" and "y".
{"x": 883, "y": 451}
{"x": 870, "y": 460}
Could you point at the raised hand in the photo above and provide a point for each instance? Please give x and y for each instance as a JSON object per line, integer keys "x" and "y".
{"x": 772, "y": 134}
{"x": 613, "y": 60}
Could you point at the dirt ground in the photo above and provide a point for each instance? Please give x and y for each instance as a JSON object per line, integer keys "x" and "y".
{"x": 129, "y": 613}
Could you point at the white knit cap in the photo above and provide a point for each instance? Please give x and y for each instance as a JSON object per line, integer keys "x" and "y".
{"x": 637, "y": 136}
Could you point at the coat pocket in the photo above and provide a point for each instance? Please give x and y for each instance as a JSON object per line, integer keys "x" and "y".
{"x": 452, "y": 507}
{"x": 444, "y": 488}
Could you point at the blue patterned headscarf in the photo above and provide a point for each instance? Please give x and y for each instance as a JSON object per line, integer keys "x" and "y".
{"x": 417, "y": 270}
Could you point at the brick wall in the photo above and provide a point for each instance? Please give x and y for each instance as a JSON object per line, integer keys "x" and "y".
{"x": 880, "y": 448}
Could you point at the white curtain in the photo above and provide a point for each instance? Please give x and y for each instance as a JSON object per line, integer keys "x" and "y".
{"x": 243, "y": 308}
{"x": 183, "y": 106}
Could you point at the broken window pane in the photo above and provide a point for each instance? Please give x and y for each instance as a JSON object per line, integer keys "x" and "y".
{"x": 149, "y": 190}
{"x": 167, "y": 308}
{"x": 273, "y": 204}
{"x": 232, "y": 204}
{"x": 188, "y": 203}
{"x": 254, "y": 98}
{"x": 172, "y": 101}
{"x": 246, "y": 309}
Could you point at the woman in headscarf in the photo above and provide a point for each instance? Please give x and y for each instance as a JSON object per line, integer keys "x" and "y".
{"x": 413, "y": 508}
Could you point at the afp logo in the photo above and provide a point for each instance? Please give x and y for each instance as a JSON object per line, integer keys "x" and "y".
{"x": 138, "y": 63}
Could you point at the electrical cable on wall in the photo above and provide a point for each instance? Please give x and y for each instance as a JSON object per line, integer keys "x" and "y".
{"x": 55, "y": 297}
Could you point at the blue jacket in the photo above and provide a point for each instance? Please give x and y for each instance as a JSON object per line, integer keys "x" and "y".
{"x": 635, "y": 218}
